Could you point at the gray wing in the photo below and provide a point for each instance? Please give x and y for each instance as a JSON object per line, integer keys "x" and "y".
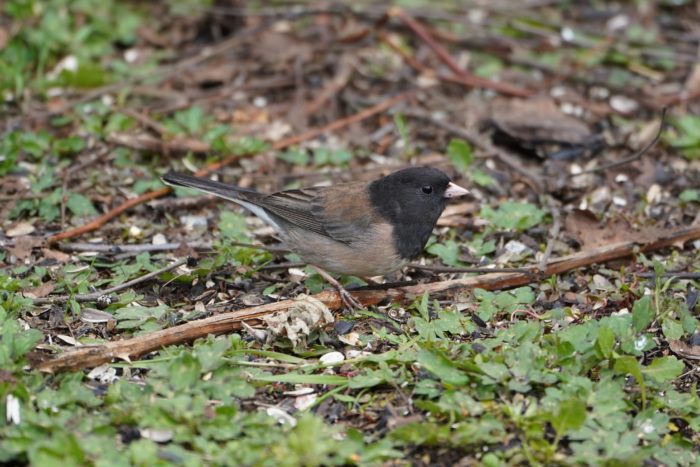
{"x": 295, "y": 207}
{"x": 339, "y": 212}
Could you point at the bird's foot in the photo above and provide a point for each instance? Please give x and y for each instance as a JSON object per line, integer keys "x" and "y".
{"x": 350, "y": 303}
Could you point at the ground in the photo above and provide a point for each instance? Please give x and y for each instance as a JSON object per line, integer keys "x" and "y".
{"x": 551, "y": 320}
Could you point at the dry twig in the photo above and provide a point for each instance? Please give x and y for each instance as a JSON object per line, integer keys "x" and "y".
{"x": 461, "y": 76}
{"x": 91, "y": 297}
{"x": 637, "y": 155}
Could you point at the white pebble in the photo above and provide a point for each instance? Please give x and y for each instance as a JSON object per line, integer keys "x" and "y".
{"x": 654, "y": 194}
{"x": 135, "y": 231}
{"x": 623, "y": 104}
{"x": 619, "y": 201}
{"x": 331, "y": 358}
{"x": 131, "y": 55}
{"x": 568, "y": 34}
{"x": 159, "y": 239}
{"x": 282, "y": 417}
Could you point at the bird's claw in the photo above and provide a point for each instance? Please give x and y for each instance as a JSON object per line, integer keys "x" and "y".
{"x": 350, "y": 302}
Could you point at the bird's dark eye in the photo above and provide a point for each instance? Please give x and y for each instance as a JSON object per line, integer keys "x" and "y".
{"x": 427, "y": 189}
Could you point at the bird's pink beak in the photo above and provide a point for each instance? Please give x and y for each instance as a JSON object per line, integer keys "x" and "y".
{"x": 453, "y": 191}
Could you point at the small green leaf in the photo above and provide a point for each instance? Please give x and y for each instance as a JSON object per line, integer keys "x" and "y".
{"x": 69, "y": 145}
{"x": 80, "y": 205}
{"x": 605, "y": 342}
{"x": 448, "y": 252}
{"x": 482, "y": 178}
{"x": 630, "y": 365}
{"x": 672, "y": 329}
{"x": 442, "y": 367}
{"x": 340, "y": 157}
{"x": 570, "y": 415}
{"x": 191, "y": 120}
{"x": 87, "y": 75}
{"x": 460, "y": 154}
{"x": 664, "y": 369}
{"x": 295, "y": 156}
{"x": 642, "y": 313}
{"x": 296, "y": 378}
{"x": 513, "y": 215}
{"x": 402, "y": 128}
{"x": 232, "y": 226}
{"x": 688, "y": 196}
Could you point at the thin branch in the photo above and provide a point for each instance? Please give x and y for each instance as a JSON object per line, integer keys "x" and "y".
{"x": 461, "y": 75}
{"x": 637, "y": 155}
{"x": 108, "y": 216}
{"x": 146, "y": 142}
{"x": 674, "y": 275}
{"x": 343, "y": 122}
{"x": 145, "y": 120}
{"x": 478, "y": 270}
{"x": 566, "y": 263}
{"x": 114, "y": 249}
{"x": 91, "y": 297}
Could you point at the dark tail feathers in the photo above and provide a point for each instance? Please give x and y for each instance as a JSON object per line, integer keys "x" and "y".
{"x": 222, "y": 190}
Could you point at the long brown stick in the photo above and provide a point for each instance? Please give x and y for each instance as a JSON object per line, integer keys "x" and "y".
{"x": 343, "y": 122}
{"x": 559, "y": 265}
{"x": 460, "y": 76}
{"x": 281, "y": 144}
{"x": 93, "y": 355}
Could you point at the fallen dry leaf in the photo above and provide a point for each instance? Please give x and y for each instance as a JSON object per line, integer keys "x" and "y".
{"x": 584, "y": 227}
{"x": 692, "y": 84}
{"x": 19, "y": 229}
{"x": 68, "y": 340}
{"x": 305, "y": 316}
{"x": 278, "y": 49}
{"x": 41, "y": 291}
{"x": 538, "y": 120}
{"x": 685, "y": 350}
{"x": 55, "y": 255}
{"x": 24, "y": 246}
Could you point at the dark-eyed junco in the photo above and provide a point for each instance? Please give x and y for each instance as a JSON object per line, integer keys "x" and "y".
{"x": 359, "y": 228}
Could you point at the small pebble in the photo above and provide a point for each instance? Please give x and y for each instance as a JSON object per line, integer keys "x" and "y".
{"x": 135, "y": 231}
{"x": 343, "y": 327}
{"x": 623, "y": 104}
{"x": 159, "y": 239}
{"x": 282, "y": 417}
{"x": 157, "y": 435}
{"x": 619, "y": 201}
{"x": 22, "y": 228}
{"x": 654, "y": 193}
{"x": 352, "y": 338}
{"x": 331, "y": 358}
{"x": 193, "y": 222}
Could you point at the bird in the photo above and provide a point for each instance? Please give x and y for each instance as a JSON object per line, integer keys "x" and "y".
{"x": 361, "y": 229}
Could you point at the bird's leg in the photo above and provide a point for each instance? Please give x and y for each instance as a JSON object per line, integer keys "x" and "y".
{"x": 348, "y": 300}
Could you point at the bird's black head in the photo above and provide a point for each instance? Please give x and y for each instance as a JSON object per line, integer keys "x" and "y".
{"x": 412, "y": 200}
